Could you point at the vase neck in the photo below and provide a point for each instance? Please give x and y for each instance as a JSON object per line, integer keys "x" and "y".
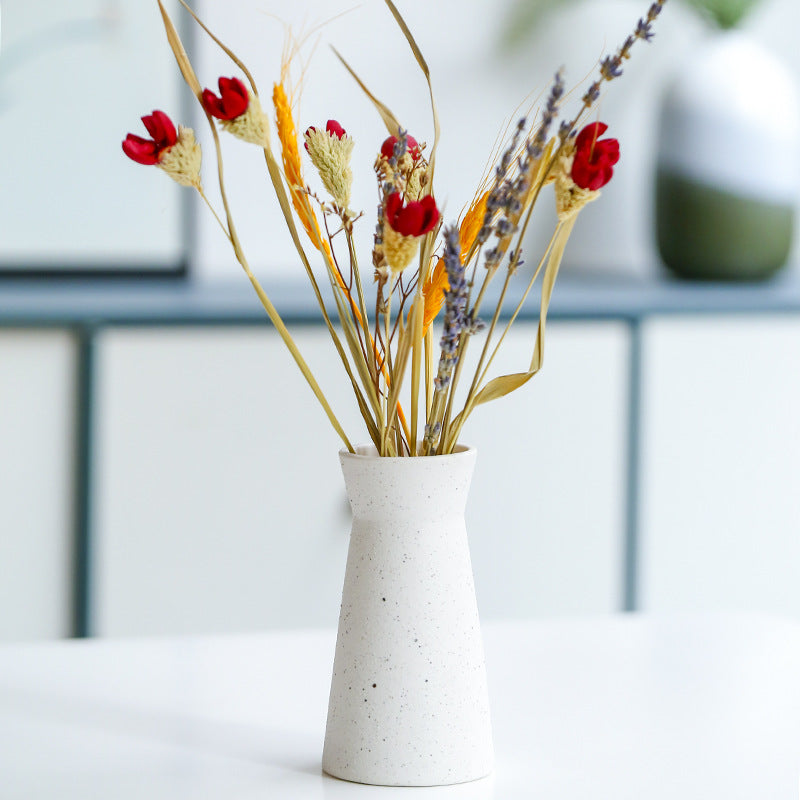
{"x": 429, "y": 487}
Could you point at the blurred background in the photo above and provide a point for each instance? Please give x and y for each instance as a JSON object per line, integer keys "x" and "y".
{"x": 163, "y": 467}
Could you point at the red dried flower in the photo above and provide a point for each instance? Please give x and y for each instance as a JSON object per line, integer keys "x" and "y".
{"x": 387, "y": 148}
{"x": 335, "y": 129}
{"x": 232, "y": 102}
{"x": 149, "y": 151}
{"x": 594, "y": 159}
{"x": 412, "y": 219}
{"x": 332, "y": 127}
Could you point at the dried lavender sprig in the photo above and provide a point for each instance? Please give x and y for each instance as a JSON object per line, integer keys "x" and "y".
{"x": 431, "y": 434}
{"x": 535, "y": 148}
{"x": 455, "y": 300}
{"x": 509, "y": 195}
{"x": 643, "y": 31}
{"x": 565, "y": 131}
{"x": 515, "y": 260}
{"x": 516, "y": 191}
{"x": 400, "y": 148}
{"x": 456, "y": 322}
{"x": 508, "y": 156}
{"x": 473, "y": 324}
{"x": 591, "y": 97}
{"x": 497, "y": 198}
{"x": 611, "y": 66}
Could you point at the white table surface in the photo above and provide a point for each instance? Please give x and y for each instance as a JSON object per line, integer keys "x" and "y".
{"x": 687, "y": 708}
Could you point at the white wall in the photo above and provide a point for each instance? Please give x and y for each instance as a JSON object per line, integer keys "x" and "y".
{"x": 75, "y": 77}
{"x": 221, "y": 505}
{"x": 720, "y": 510}
{"x": 36, "y": 439}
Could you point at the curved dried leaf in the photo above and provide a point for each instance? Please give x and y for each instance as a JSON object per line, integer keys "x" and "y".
{"x": 389, "y": 119}
{"x": 423, "y": 64}
{"x": 180, "y": 54}
{"x": 502, "y": 385}
{"x": 548, "y": 282}
{"x": 544, "y": 164}
{"x": 222, "y": 46}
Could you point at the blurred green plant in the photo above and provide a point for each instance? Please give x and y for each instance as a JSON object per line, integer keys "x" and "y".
{"x": 525, "y": 15}
{"x": 723, "y": 13}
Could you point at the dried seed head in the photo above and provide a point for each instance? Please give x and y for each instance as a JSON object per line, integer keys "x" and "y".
{"x": 252, "y": 126}
{"x": 570, "y": 198}
{"x": 408, "y": 176}
{"x": 398, "y": 250}
{"x": 182, "y": 161}
{"x": 330, "y": 154}
{"x": 417, "y": 180}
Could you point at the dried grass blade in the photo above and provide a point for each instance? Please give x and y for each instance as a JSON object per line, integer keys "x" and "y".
{"x": 276, "y": 320}
{"x": 287, "y": 134}
{"x": 427, "y": 248}
{"x": 353, "y": 342}
{"x": 539, "y": 174}
{"x": 548, "y": 282}
{"x": 436, "y": 285}
{"x": 423, "y": 64}
{"x": 355, "y": 350}
{"x": 416, "y": 366}
{"x": 389, "y": 119}
{"x": 403, "y": 352}
{"x": 179, "y": 52}
{"x": 272, "y": 312}
{"x": 191, "y": 79}
{"x": 283, "y": 199}
{"x": 428, "y": 373}
{"x": 221, "y": 45}
{"x": 502, "y": 385}
{"x": 290, "y": 154}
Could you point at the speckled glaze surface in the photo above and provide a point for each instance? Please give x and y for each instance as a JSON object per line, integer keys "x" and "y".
{"x": 408, "y": 703}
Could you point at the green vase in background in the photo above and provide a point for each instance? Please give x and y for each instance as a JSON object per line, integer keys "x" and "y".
{"x": 728, "y": 163}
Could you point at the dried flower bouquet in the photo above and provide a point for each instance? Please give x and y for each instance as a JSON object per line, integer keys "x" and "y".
{"x": 386, "y": 341}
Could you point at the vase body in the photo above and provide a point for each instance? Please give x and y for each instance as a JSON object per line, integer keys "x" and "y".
{"x": 408, "y": 703}
{"x": 728, "y": 162}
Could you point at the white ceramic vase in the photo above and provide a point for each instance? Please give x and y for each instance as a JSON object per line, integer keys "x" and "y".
{"x": 408, "y": 703}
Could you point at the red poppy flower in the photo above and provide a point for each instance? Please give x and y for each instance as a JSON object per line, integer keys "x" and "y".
{"x": 412, "y": 219}
{"x": 232, "y": 101}
{"x": 387, "y": 148}
{"x": 149, "y": 151}
{"x": 592, "y": 167}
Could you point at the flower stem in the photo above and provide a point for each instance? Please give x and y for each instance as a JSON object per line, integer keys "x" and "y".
{"x": 272, "y": 312}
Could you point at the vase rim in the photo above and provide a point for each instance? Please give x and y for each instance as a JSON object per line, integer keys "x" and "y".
{"x": 368, "y": 452}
